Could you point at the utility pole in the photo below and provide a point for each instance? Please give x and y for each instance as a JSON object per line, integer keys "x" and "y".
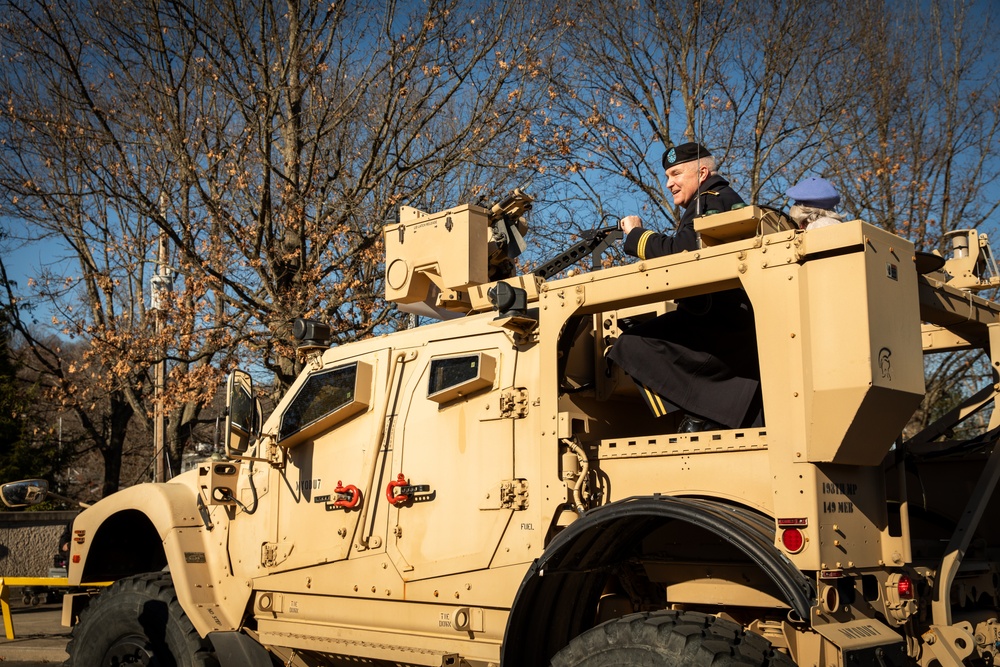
{"x": 161, "y": 283}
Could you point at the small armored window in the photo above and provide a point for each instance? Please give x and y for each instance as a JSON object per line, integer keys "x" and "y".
{"x": 453, "y": 377}
{"x": 324, "y": 399}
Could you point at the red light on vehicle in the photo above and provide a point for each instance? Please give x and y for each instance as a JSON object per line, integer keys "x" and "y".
{"x": 905, "y": 588}
{"x": 76, "y": 559}
{"x": 793, "y": 540}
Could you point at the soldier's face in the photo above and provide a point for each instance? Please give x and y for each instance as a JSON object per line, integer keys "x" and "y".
{"x": 683, "y": 181}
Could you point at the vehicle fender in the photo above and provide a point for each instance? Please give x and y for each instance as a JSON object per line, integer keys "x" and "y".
{"x": 151, "y": 527}
{"x": 563, "y": 585}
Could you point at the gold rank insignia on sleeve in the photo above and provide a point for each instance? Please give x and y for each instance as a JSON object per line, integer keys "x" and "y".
{"x": 641, "y": 246}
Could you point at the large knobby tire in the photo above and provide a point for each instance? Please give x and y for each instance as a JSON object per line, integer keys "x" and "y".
{"x": 138, "y": 621}
{"x": 670, "y": 639}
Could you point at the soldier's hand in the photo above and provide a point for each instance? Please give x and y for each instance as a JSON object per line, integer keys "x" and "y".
{"x": 629, "y": 222}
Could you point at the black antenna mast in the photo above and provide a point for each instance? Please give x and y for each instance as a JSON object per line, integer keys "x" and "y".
{"x": 698, "y": 126}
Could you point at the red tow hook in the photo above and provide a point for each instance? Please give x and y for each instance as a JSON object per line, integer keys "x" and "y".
{"x": 347, "y": 496}
{"x": 390, "y": 491}
{"x": 408, "y": 493}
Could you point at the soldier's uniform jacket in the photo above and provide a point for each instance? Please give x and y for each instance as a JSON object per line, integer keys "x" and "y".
{"x": 715, "y": 195}
{"x": 701, "y": 357}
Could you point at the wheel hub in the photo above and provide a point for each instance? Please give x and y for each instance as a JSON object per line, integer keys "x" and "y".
{"x": 130, "y": 650}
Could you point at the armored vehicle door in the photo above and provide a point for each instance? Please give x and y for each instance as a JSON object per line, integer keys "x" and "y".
{"x": 453, "y": 448}
{"x": 330, "y": 427}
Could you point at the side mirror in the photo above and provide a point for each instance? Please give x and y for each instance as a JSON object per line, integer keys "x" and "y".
{"x": 25, "y": 493}
{"x": 243, "y": 414}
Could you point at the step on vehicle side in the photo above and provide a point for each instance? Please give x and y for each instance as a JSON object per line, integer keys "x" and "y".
{"x": 489, "y": 490}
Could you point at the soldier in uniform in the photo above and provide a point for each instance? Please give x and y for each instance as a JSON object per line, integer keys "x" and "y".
{"x": 701, "y": 357}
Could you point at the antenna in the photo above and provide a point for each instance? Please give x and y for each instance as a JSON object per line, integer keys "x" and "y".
{"x": 698, "y": 126}
{"x": 697, "y": 166}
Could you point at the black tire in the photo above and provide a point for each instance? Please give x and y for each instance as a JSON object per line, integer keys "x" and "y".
{"x": 138, "y": 621}
{"x": 670, "y": 639}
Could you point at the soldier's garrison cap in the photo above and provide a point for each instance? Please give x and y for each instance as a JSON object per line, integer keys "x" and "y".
{"x": 684, "y": 153}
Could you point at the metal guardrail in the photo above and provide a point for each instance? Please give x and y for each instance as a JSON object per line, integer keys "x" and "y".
{"x": 47, "y": 582}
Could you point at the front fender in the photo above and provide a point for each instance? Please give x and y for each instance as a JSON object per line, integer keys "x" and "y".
{"x": 124, "y": 533}
{"x": 151, "y": 527}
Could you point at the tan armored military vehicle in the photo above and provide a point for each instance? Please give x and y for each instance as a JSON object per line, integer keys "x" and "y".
{"x": 488, "y": 489}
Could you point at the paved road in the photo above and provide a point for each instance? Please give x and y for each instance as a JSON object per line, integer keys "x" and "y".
{"x": 39, "y": 636}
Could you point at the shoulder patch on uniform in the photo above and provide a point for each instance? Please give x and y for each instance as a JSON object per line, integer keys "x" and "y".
{"x": 710, "y": 192}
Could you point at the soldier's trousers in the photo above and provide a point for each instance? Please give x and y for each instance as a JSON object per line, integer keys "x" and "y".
{"x": 701, "y": 357}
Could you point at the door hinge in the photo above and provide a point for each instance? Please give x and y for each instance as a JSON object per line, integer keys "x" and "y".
{"x": 514, "y": 403}
{"x": 514, "y": 494}
{"x": 510, "y": 494}
{"x": 272, "y": 554}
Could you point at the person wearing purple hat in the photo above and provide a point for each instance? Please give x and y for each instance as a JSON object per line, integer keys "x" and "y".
{"x": 702, "y": 357}
{"x": 815, "y": 200}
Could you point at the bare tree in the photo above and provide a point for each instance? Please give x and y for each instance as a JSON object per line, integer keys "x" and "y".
{"x": 270, "y": 140}
{"x": 917, "y": 145}
{"x": 637, "y": 77}
{"x": 281, "y": 136}
{"x": 917, "y": 149}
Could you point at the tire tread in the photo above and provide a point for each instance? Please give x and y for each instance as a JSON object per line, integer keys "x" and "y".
{"x": 670, "y": 638}
{"x": 155, "y": 586}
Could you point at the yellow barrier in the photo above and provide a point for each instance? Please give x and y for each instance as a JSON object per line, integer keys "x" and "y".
{"x": 52, "y": 582}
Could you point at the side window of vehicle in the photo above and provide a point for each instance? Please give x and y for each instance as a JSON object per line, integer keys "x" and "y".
{"x": 456, "y": 376}
{"x": 326, "y": 397}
